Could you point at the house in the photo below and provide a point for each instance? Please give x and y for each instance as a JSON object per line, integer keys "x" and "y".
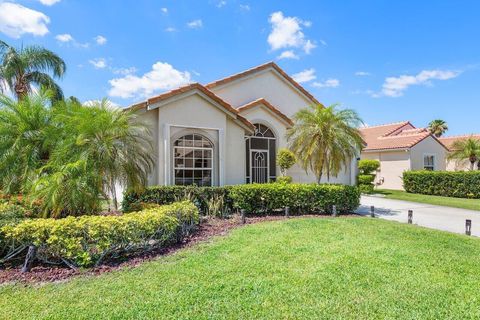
{"x": 400, "y": 147}
{"x": 453, "y": 165}
{"x": 228, "y": 131}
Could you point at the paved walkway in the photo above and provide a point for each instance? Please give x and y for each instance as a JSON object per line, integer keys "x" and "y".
{"x": 426, "y": 215}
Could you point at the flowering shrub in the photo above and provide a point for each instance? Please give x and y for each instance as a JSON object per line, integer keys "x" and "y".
{"x": 87, "y": 240}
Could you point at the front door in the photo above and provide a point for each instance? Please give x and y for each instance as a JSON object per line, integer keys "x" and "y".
{"x": 259, "y": 168}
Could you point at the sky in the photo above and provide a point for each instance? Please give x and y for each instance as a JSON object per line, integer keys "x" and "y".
{"x": 390, "y": 61}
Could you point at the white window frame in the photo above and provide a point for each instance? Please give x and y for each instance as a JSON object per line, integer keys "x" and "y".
{"x": 434, "y": 166}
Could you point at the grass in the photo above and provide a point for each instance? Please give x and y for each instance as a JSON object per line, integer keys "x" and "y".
{"x": 472, "y": 204}
{"x": 343, "y": 268}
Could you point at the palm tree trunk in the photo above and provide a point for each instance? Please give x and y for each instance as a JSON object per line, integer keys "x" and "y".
{"x": 21, "y": 89}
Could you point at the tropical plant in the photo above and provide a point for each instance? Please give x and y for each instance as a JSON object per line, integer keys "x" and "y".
{"x": 32, "y": 65}
{"x": 438, "y": 127}
{"x": 325, "y": 139}
{"x": 285, "y": 160}
{"x": 465, "y": 150}
{"x": 27, "y": 138}
{"x": 103, "y": 147}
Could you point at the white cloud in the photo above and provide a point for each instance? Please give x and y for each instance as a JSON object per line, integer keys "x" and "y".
{"x": 65, "y": 37}
{"x": 329, "y": 83}
{"x": 16, "y": 20}
{"x": 170, "y": 29}
{"x": 164, "y": 10}
{"x": 110, "y": 103}
{"x": 362, "y": 73}
{"x": 395, "y": 86}
{"x": 98, "y": 63}
{"x": 100, "y": 40}
{"x": 288, "y": 54}
{"x": 305, "y": 75}
{"x": 195, "y": 24}
{"x": 162, "y": 77}
{"x": 49, "y": 2}
{"x": 323, "y": 42}
{"x": 287, "y": 33}
{"x": 124, "y": 71}
{"x": 244, "y": 7}
{"x": 221, "y": 3}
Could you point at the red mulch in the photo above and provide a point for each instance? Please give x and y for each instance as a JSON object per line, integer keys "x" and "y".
{"x": 206, "y": 230}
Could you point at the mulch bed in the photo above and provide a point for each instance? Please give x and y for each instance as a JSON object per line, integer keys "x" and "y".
{"x": 206, "y": 230}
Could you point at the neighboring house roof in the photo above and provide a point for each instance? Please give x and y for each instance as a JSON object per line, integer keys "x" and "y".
{"x": 269, "y": 106}
{"x": 402, "y": 135}
{"x": 194, "y": 86}
{"x": 449, "y": 141}
{"x": 261, "y": 68}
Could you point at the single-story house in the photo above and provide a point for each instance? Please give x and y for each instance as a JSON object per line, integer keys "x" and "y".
{"x": 228, "y": 131}
{"x": 400, "y": 147}
{"x": 453, "y": 165}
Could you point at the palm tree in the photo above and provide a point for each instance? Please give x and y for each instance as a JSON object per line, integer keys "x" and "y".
{"x": 325, "y": 139}
{"x": 26, "y": 139}
{"x": 112, "y": 142}
{"x": 438, "y": 127}
{"x": 24, "y": 67}
{"x": 466, "y": 150}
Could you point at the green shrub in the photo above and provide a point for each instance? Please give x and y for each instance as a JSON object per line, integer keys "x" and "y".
{"x": 201, "y": 196}
{"x": 300, "y": 198}
{"x": 284, "y": 179}
{"x": 367, "y": 166}
{"x": 366, "y": 179}
{"x": 285, "y": 160}
{"x": 460, "y": 184}
{"x": 10, "y": 215}
{"x": 366, "y": 188}
{"x": 88, "y": 240}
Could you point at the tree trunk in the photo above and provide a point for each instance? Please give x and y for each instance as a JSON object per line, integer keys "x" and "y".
{"x": 31, "y": 254}
{"x": 21, "y": 90}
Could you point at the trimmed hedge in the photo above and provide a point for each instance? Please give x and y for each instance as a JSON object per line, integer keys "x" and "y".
{"x": 202, "y": 197}
{"x": 87, "y": 240}
{"x": 300, "y": 198}
{"x": 459, "y": 184}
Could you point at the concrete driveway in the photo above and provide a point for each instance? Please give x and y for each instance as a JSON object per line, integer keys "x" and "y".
{"x": 426, "y": 215}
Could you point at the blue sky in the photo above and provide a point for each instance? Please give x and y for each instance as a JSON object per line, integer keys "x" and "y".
{"x": 389, "y": 60}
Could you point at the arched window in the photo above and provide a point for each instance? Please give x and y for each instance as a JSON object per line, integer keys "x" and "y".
{"x": 261, "y": 155}
{"x": 193, "y": 160}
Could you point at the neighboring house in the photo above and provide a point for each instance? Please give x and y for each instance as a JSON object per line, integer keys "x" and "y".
{"x": 448, "y": 142}
{"x": 400, "y": 147}
{"x": 228, "y": 131}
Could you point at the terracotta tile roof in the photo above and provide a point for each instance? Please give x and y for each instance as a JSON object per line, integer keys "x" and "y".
{"x": 260, "y": 68}
{"x": 267, "y": 104}
{"x": 402, "y": 135}
{"x": 449, "y": 141}
{"x": 189, "y": 87}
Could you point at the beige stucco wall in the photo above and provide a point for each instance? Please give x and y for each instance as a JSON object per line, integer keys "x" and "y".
{"x": 461, "y": 166}
{"x": 195, "y": 114}
{"x": 266, "y": 84}
{"x": 150, "y": 118}
{"x": 298, "y": 174}
{"x": 392, "y": 166}
{"x": 428, "y": 146}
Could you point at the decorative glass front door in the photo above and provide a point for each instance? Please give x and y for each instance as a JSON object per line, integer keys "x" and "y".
{"x": 260, "y": 167}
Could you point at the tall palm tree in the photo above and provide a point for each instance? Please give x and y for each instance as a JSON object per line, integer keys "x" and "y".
{"x": 466, "y": 150}
{"x": 32, "y": 65}
{"x": 438, "y": 127}
{"x": 325, "y": 139}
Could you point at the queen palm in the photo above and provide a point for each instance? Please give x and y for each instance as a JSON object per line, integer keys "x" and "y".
{"x": 111, "y": 143}
{"x": 466, "y": 150}
{"x": 32, "y": 65}
{"x": 438, "y": 127}
{"x": 325, "y": 139}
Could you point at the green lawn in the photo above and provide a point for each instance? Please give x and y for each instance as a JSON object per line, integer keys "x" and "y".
{"x": 344, "y": 268}
{"x": 472, "y": 204}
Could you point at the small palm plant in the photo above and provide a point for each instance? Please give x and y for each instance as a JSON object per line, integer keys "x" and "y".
{"x": 438, "y": 127}
{"x": 27, "y": 66}
{"x": 325, "y": 139}
{"x": 466, "y": 150}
